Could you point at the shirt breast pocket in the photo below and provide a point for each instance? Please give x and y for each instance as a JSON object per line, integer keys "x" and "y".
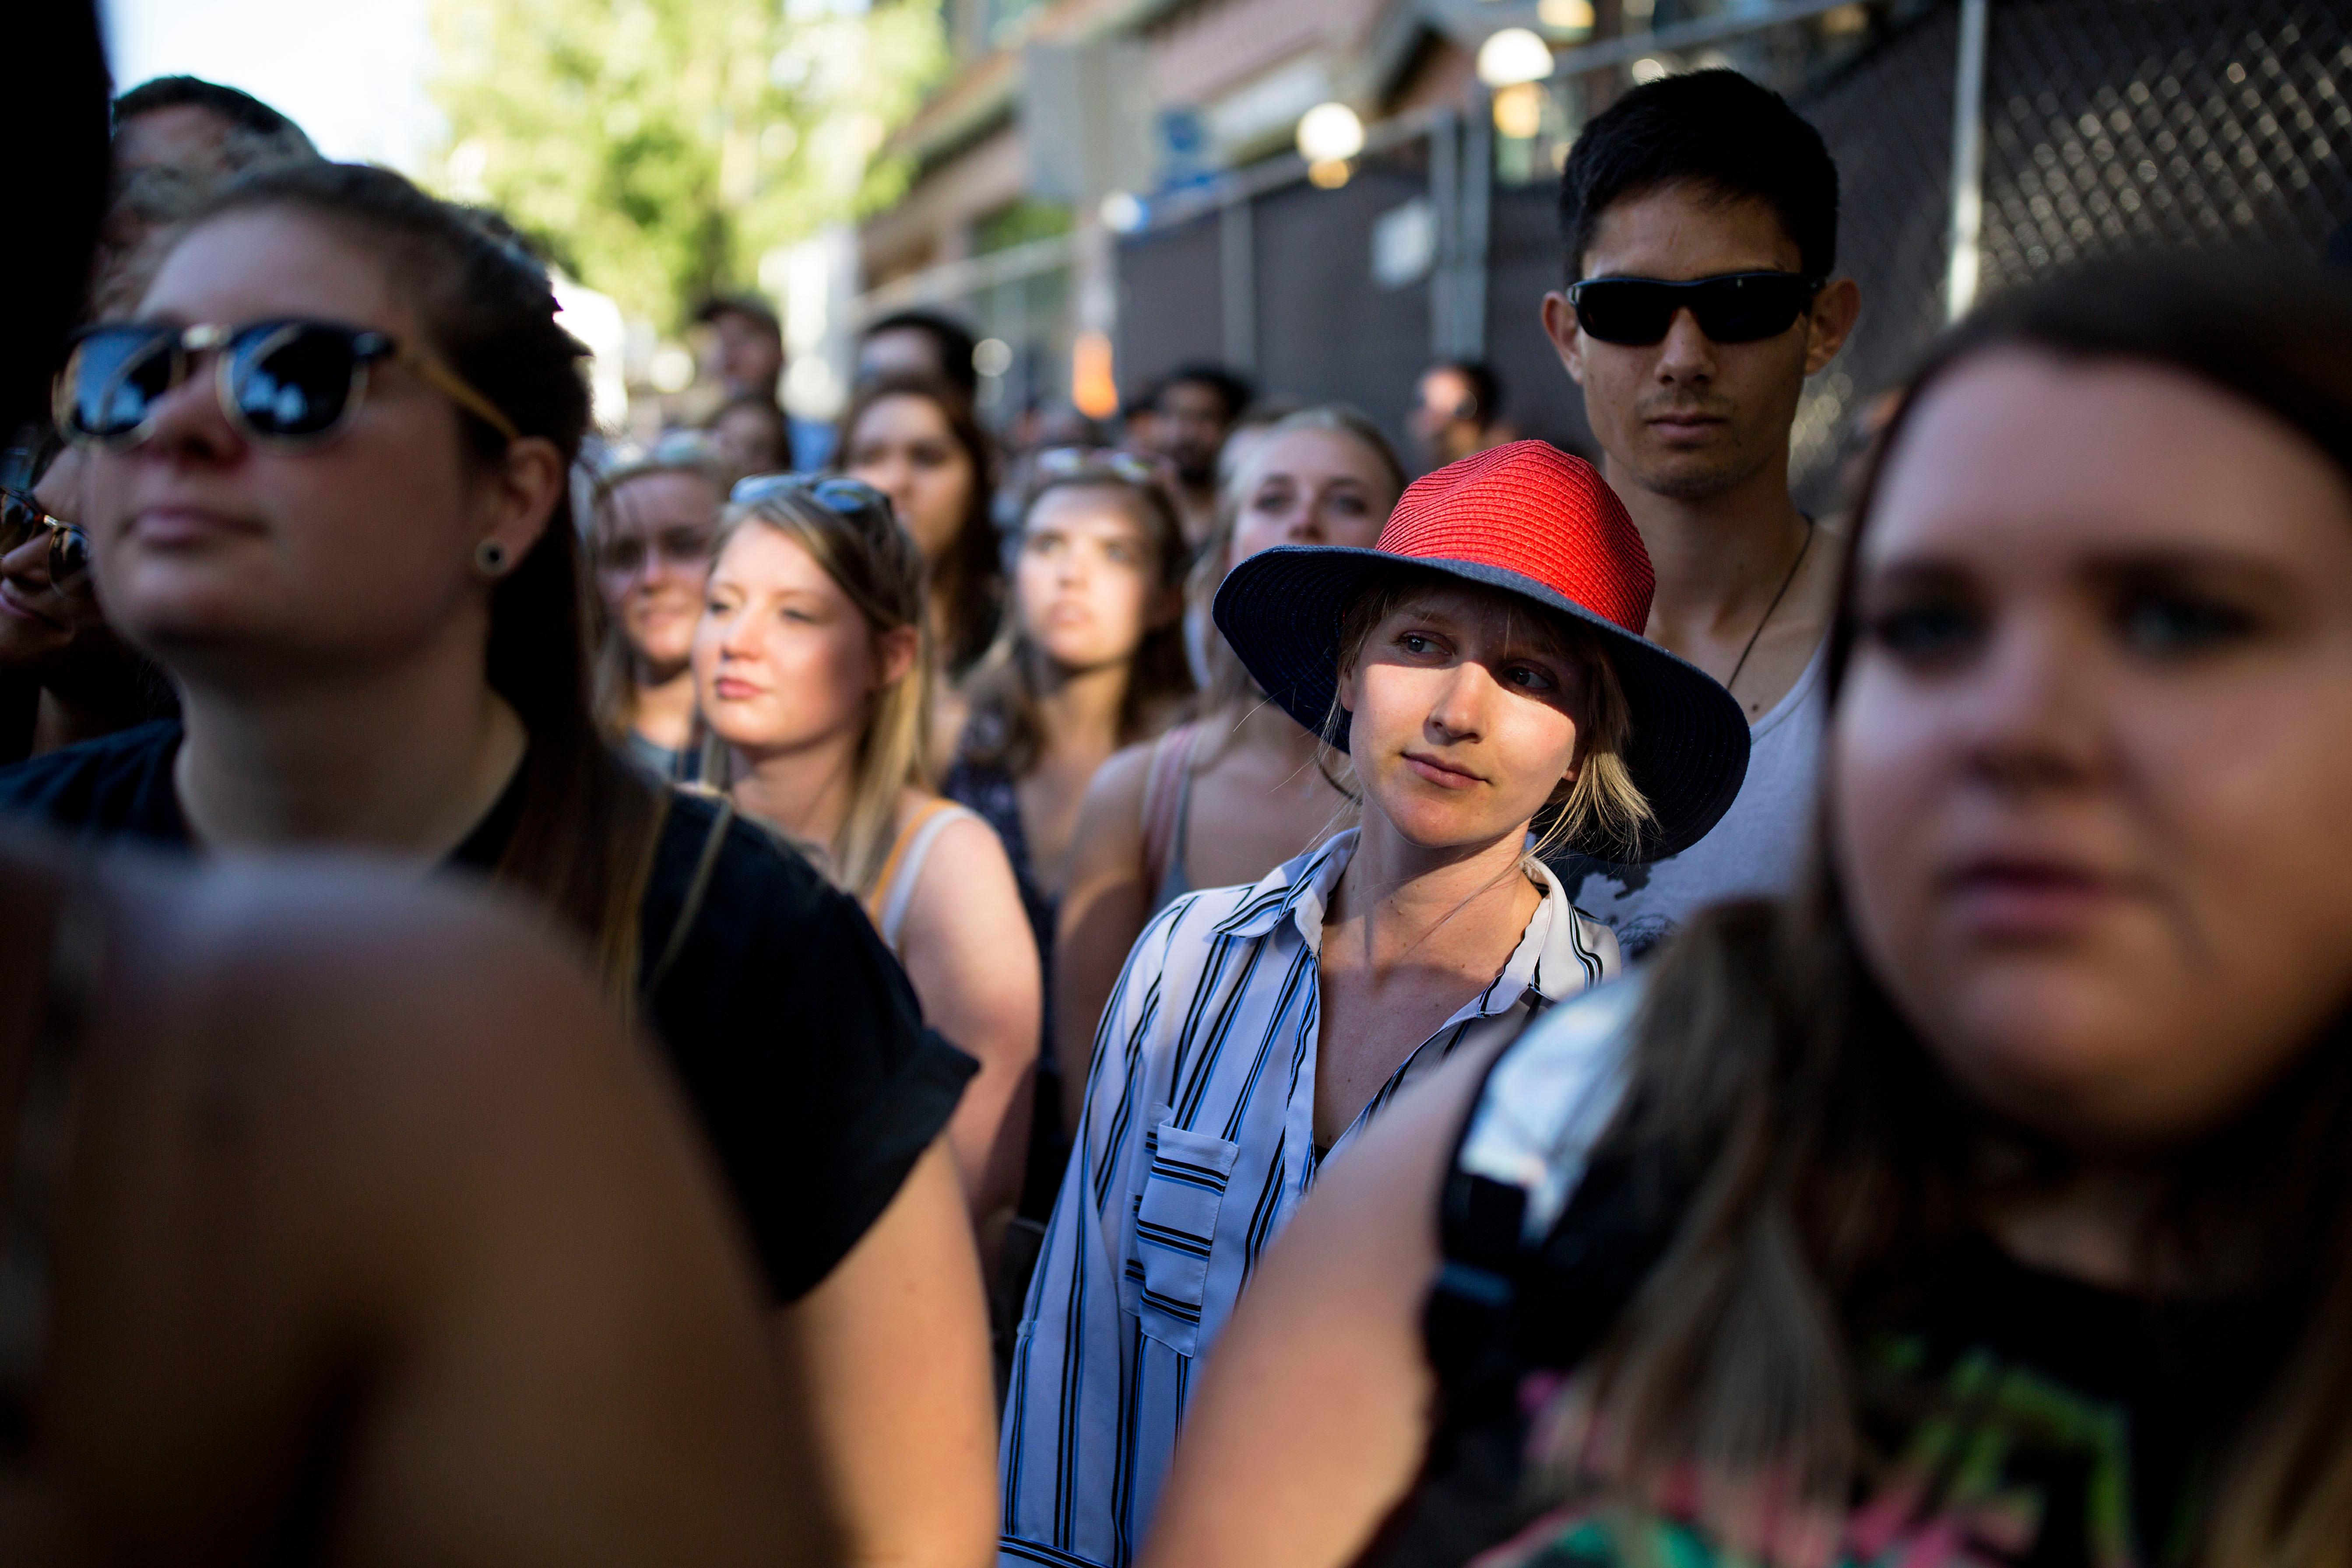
{"x": 1175, "y": 1228}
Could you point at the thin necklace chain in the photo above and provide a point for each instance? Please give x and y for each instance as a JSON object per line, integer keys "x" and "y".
{"x": 1775, "y": 604}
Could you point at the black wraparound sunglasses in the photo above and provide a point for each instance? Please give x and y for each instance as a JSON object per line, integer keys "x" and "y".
{"x": 22, "y": 518}
{"x": 1734, "y": 308}
{"x": 284, "y": 383}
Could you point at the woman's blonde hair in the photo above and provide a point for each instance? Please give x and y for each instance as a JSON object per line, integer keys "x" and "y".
{"x": 876, "y": 563}
{"x": 1600, "y": 811}
{"x": 1228, "y": 684}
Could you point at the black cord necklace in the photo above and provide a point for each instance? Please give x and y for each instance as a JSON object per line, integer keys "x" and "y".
{"x": 1775, "y": 604}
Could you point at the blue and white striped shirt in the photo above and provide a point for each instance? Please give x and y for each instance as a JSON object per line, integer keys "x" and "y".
{"x": 1196, "y": 1145}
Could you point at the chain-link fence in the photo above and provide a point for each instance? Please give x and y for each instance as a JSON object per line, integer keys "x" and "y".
{"x": 2104, "y": 125}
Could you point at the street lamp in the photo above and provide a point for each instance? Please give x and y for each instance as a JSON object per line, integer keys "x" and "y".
{"x": 1513, "y": 56}
{"x": 1328, "y": 135}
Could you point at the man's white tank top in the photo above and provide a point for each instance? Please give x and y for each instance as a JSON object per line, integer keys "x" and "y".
{"x": 1757, "y": 847}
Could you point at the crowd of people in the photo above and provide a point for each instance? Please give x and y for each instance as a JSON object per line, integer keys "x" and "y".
{"x": 908, "y": 995}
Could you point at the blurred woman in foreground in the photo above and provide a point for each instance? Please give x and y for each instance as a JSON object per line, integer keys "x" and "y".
{"x": 328, "y": 490}
{"x": 1992, "y": 1202}
{"x": 462, "y": 1264}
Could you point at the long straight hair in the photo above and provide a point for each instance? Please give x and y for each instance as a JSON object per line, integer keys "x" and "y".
{"x": 877, "y": 565}
{"x": 1008, "y": 724}
{"x": 969, "y": 575}
{"x": 584, "y": 841}
{"x": 1830, "y": 1155}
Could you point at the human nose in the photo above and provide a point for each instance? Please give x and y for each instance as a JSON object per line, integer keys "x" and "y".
{"x": 188, "y": 419}
{"x": 1459, "y": 711}
{"x": 2029, "y": 720}
{"x": 28, "y": 562}
{"x": 1685, "y": 354}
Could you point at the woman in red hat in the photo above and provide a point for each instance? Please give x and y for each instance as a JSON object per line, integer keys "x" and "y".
{"x": 1484, "y": 693}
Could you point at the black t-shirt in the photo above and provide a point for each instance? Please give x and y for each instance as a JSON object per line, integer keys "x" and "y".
{"x": 794, "y": 1032}
{"x": 2006, "y": 1415}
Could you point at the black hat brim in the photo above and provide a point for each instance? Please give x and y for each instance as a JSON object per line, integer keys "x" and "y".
{"x": 1280, "y": 610}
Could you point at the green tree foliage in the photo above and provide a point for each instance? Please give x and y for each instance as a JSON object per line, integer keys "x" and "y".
{"x": 662, "y": 146}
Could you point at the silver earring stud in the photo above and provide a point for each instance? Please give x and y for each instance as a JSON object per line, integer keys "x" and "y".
{"x": 490, "y": 558}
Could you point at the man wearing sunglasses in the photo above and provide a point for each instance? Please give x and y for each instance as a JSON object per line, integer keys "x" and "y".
{"x": 1700, "y": 214}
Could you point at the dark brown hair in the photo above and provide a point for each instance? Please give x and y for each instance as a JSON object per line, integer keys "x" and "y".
{"x": 969, "y": 575}
{"x": 583, "y": 842}
{"x": 1830, "y": 1156}
{"x": 1007, "y": 730}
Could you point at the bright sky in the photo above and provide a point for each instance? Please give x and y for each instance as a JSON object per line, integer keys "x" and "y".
{"x": 351, "y": 72}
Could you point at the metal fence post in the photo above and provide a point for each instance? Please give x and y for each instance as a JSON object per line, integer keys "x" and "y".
{"x": 1477, "y": 193}
{"x": 1968, "y": 160}
{"x": 1237, "y": 280}
{"x": 1445, "y": 197}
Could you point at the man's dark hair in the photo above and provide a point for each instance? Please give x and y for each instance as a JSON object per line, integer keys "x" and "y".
{"x": 1713, "y": 129}
{"x": 950, "y": 337}
{"x": 1485, "y": 388}
{"x": 1232, "y": 389}
{"x": 241, "y": 109}
{"x": 750, "y": 307}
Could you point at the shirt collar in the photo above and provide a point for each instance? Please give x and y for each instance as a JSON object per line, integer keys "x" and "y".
{"x": 1555, "y": 958}
{"x": 1301, "y": 886}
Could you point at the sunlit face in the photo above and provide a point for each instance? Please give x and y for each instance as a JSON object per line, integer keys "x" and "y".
{"x": 1464, "y": 712}
{"x": 905, "y": 448}
{"x": 1311, "y": 487}
{"x": 1084, "y": 581}
{"x": 653, "y": 536}
{"x": 1688, "y": 417}
{"x": 783, "y": 661}
{"x": 2090, "y": 763}
{"x": 41, "y": 621}
{"x": 214, "y": 552}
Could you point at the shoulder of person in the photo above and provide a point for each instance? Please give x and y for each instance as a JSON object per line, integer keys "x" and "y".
{"x": 750, "y": 864}
{"x": 94, "y": 782}
{"x": 1550, "y": 1095}
{"x": 965, "y": 845}
{"x": 748, "y": 912}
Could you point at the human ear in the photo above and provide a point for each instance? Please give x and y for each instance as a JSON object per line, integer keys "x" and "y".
{"x": 896, "y": 652}
{"x": 1560, "y": 326}
{"x": 519, "y": 495}
{"x": 1830, "y": 322}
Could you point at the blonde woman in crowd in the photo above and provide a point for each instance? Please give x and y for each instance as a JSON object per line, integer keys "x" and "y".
{"x": 650, "y": 538}
{"x": 811, "y": 666}
{"x": 1481, "y": 682}
{"x": 1215, "y": 802}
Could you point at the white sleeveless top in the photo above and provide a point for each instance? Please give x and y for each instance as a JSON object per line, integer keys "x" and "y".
{"x": 1757, "y": 849}
{"x": 894, "y": 891}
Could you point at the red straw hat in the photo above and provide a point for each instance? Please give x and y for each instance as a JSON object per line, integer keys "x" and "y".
{"x": 1532, "y": 521}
